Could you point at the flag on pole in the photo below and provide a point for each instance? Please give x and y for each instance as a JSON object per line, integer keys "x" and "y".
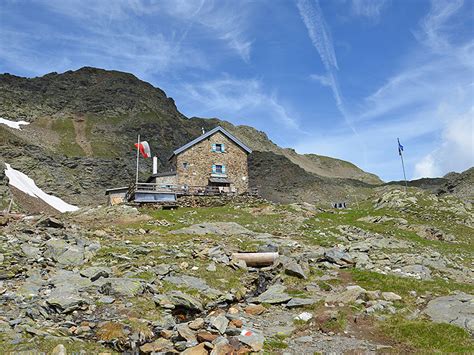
{"x": 400, "y": 147}
{"x": 144, "y": 149}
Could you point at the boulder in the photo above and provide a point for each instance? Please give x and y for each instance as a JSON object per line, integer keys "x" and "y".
{"x": 196, "y": 350}
{"x": 186, "y": 333}
{"x": 159, "y": 345}
{"x": 292, "y": 268}
{"x": 299, "y": 302}
{"x": 351, "y": 294}
{"x": 96, "y": 272}
{"x": 252, "y": 338}
{"x": 220, "y": 323}
{"x": 273, "y": 295}
{"x": 338, "y": 256}
{"x": 73, "y": 255}
{"x": 179, "y": 299}
{"x": 390, "y": 296}
{"x": 457, "y": 309}
{"x": 30, "y": 251}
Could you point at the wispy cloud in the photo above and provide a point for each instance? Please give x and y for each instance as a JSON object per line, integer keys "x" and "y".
{"x": 123, "y": 35}
{"x": 324, "y": 80}
{"x": 320, "y": 36}
{"x": 226, "y": 19}
{"x": 434, "y": 89}
{"x": 244, "y": 100}
{"x": 371, "y": 9}
{"x": 433, "y": 27}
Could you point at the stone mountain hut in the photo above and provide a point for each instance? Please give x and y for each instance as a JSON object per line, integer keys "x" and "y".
{"x": 215, "y": 160}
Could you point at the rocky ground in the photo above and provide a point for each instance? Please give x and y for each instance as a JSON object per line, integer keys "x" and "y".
{"x": 393, "y": 274}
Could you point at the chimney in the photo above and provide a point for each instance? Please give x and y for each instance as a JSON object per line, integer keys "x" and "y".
{"x": 155, "y": 165}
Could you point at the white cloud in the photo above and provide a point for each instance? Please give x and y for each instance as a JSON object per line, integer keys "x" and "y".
{"x": 121, "y": 35}
{"x": 324, "y": 80}
{"x": 245, "y": 101}
{"x": 318, "y": 32}
{"x": 368, "y": 8}
{"x": 433, "y": 27}
{"x": 456, "y": 151}
{"x": 227, "y": 20}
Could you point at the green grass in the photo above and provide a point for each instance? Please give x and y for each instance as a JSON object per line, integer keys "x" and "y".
{"x": 275, "y": 343}
{"x": 428, "y": 337}
{"x": 182, "y": 217}
{"x": 403, "y": 285}
{"x": 37, "y": 345}
{"x": 67, "y": 145}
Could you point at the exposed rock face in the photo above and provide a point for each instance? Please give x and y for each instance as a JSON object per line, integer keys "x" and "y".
{"x": 455, "y": 309}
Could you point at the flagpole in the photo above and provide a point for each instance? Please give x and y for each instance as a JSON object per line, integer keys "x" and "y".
{"x": 403, "y": 166}
{"x": 138, "y": 157}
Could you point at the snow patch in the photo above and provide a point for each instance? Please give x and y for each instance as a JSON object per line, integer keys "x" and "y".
{"x": 24, "y": 183}
{"x": 13, "y": 124}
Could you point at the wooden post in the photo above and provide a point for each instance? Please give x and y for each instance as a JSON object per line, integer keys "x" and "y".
{"x": 138, "y": 158}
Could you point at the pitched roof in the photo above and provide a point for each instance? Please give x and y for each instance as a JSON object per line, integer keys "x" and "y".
{"x": 208, "y": 134}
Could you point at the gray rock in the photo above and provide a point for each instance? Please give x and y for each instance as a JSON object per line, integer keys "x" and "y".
{"x": 179, "y": 299}
{"x": 390, "y": 296}
{"x": 304, "y": 339}
{"x": 64, "y": 300}
{"x": 273, "y": 295}
{"x": 216, "y": 228}
{"x": 55, "y": 247}
{"x": 120, "y": 286}
{"x": 417, "y": 271}
{"x": 185, "y": 332}
{"x": 457, "y": 309}
{"x": 351, "y": 294}
{"x": 252, "y": 338}
{"x": 299, "y": 302}
{"x": 292, "y": 268}
{"x": 338, "y": 256}
{"x": 32, "y": 285}
{"x": 30, "y": 251}
{"x": 107, "y": 300}
{"x": 194, "y": 283}
{"x": 162, "y": 269}
{"x": 211, "y": 267}
{"x": 50, "y": 222}
{"x": 71, "y": 256}
{"x": 96, "y": 272}
{"x": 220, "y": 323}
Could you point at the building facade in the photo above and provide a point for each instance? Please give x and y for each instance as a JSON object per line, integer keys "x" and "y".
{"x": 215, "y": 159}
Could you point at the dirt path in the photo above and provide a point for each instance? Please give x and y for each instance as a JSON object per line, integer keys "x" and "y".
{"x": 81, "y": 138}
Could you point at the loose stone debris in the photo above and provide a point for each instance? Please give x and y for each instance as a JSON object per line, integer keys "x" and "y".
{"x": 145, "y": 289}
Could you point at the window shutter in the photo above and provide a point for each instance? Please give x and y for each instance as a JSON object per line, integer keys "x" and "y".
{"x": 214, "y": 168}
{"x": 223, "y": 169}
{"x": 223, "y": 147}
{"x": 214, "y": 147}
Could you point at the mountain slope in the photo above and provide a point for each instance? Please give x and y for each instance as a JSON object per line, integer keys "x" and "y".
{"x": 83, "y": 124}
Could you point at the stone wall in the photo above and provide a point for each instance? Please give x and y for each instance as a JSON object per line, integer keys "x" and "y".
{"x": 200, "y": 158}
{"x": 166, "y": 180}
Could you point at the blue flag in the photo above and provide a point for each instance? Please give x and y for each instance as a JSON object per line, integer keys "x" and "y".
{"x": 400, "y": 147}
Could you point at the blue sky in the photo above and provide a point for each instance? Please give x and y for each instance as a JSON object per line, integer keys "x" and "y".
{"x": 342, "y": 78}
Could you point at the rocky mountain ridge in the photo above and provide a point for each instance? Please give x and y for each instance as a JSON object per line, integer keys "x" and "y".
{"x": 83, "y": 124}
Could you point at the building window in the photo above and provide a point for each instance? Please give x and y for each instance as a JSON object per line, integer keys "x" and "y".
{"x": 218, "y": 147}
{"x": 185, "y": 165}
{"x": 218, "y": 169}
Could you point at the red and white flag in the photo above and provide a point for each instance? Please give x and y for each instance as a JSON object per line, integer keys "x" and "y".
{"x": 144, "y": 149}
